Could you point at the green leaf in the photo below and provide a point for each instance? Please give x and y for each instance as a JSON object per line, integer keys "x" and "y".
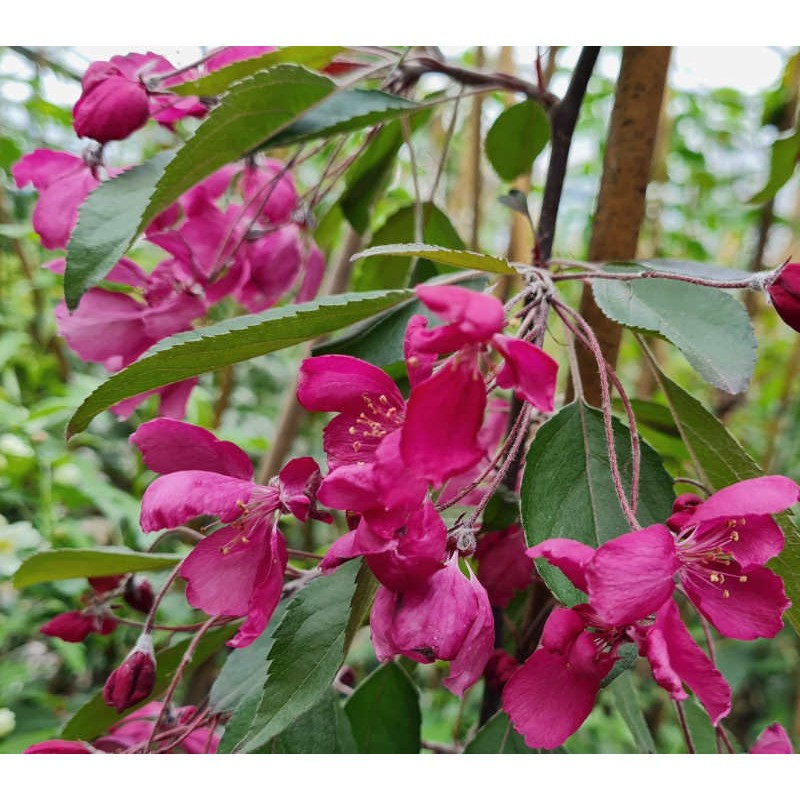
{"x": 323, "y": 729}
{"x": 195, "y": 352}
{"x": 461, "y": 259}
{"x": 517, "y": 136}
{"x": 380, "y": 341}
{"x": 95, "y": 717}
{"x": 630, "y": 710}
{"x": 783, "y": 160}
{"x": 567, "y": 490}
{"x": 720, "y": 461}
{"x": 343, "y": 112}
{"x": 366, "y": 587}
{"x": 384, "y": 712}
{"x": 710, "y": 328}
{"x": 107, "y": 224}
{"x": 389, "y": 272}
{"x": 59, "y": 565}
{"x": 691, "y": 269}
{"x": 307, "y": 652}
{"x": 498, "y": 736}
{"x": 244, "y": 668}
{"x": 220, "y": 80}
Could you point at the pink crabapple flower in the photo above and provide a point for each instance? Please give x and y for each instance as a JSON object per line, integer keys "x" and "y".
{"x": 773, "y": 740}
{"x": 64, "y": 182}
{"x": 502, "y": 567}
{"x": 447, "y": 617}
{"x": 550, "y": 696}
{"x": 237, "y": 570}
{"x": 717, "y": 548}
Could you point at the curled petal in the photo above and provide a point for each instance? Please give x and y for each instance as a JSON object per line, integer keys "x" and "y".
{"x": 168, "y": 445}
{"x": 529, "y": 370}
{"x": 769, "y": 494}
{"x": 569, "y": 555}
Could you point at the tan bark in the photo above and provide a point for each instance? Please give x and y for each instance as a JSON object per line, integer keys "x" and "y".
{"x": 621, "y": 200}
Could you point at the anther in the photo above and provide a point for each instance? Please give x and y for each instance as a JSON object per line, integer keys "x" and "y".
{"x": 726, "y": 594}
{"x": 356, "y": 446}
{"x": 714, "y": 577}
{"x": 384, "y": 399}
{"x": 743, "y": 579}
{"x": 734, "y": 536}
{"x": 352, "y": 430}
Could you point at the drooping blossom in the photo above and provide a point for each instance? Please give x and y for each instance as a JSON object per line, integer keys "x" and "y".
{"x": 64, "y": 182}
{"x": 447, "y": 617}
{"x": 773, "y": 740}
{"x": 237, "y": 570}
{"x": 717, "y": 548}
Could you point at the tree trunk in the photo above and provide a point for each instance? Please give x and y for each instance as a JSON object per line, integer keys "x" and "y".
{"x": 621, "y": 200}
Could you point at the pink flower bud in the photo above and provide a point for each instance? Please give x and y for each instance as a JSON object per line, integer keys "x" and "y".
{"x": 134, "y": 679}
{"x": 105, "y": 583}
{"x": 682, "y": 510}
{"x": 59, "y": 747}
{"x": 112, "y": 106}
{"x": 75, "y": 626}
{"x": 784, "y": 291}
{"x": 139, "y": 594}
{"x": 499, "y": 669}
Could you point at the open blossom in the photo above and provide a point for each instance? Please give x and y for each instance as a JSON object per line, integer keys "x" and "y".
{"x": 64, "y": 182}
{"x": 237, "y": 570}
{"x": 447, "y": 617}
{"x": 550, "y": 696}
{"x": 773, "y": 740}
{"x": 716, "y": 548}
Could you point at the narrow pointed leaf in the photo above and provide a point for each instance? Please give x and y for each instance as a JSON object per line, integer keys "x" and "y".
{"x": 195, "y": 352}
{"x": 59, "y": 565}
{"x": 567, "y": 490}
{"x": 629, "y": 707}
{"x": 462, "y": 259}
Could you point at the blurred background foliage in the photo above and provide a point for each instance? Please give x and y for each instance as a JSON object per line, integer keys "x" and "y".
{"x": 713, "y": 158}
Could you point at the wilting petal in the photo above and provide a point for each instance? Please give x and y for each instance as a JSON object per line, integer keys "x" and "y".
{"x": 168, "y": 445}
{"x": 774, "y": 739}
{"x": 443, "y": 418}
{"x": 178, "y": 497}
{"x": 676, "y": 659}
{"x": 633, "y": 575}
{"x": 569, "y": 555}
{"x": 529, "y": 370}
{"x": 769, "y": 494}
{"x": 743, "y": 606}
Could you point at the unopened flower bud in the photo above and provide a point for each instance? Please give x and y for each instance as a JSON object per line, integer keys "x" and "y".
{"x": 682, "y": 510}
{"x": 139, "y": 594}
{"x": 105, "y": 583}
{"x": 134, "y": 679}
{"x": 75, "y": 626}
{"x": 784, "y": 291}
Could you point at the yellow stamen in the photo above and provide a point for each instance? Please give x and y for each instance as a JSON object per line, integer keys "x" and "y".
{"x": 726, "y": 594}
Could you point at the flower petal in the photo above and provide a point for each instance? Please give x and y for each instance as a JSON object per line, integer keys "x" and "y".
{"x": 633, "y": 575}
{"x": 168, "y": 445}
{"x": 529, "y": 370}
{"x": 769, "y": 494}
{"x": 569, "y": 555}
{"x": 774, "y": 739}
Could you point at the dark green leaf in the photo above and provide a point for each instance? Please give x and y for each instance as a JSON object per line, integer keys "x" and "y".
{"x": 630, "y": 710}
{"x": 95, "y": 717}
{"x": 195, "y": 352}
{"x": 384, "y": 712}
{"x": 517, "y": 136}
{"x": 307, "y": 652}
{"x": 567, "y": 489}
{"x": 107, "y": 224}
{"x": 221, "y": 80}
{"x": 711, "y": 328}
{"x": 516, "y": 201}
{"x": 366, "y": 587}
{"x": 691, "y": 269}
{"x": 58, "y": 565}
{"x": 627, "y": 656}
{"x": 498, "y": 736}
{"x": 502, "y": 511}
{"x": 324, "y": 729}
{"x": 389, "y": 272}
{"x": 244, "y": 668}
{"x": 783, "y": 160}
{"x": 720, "y": 461}
{"x": 380, "y": 341}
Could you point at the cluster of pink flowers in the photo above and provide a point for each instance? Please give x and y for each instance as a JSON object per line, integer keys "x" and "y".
{"x": 240, "y": 233}
{"x": 713, "y": 552}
